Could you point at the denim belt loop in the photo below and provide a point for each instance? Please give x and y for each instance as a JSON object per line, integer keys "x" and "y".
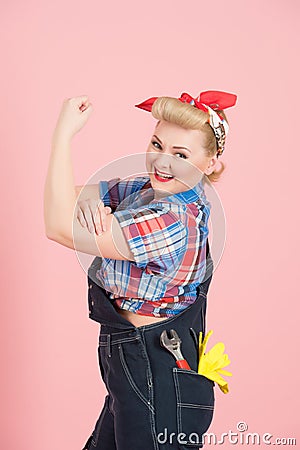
{"x": 109, "y": 345}
{"x": 141, "y": 331}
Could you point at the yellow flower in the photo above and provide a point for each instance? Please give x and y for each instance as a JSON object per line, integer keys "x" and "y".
{"x": 211, "y": 363}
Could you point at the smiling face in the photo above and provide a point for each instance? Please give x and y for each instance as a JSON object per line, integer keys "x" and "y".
{"x": 179, "y": 153}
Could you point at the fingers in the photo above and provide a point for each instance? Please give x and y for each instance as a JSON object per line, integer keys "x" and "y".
{"x": 92, "y": 214}
{"x": 82, "y": 101}
{"x": 80, "y": 217}
{"x": 101, "y": 225}
{"x": 85, "y": 216}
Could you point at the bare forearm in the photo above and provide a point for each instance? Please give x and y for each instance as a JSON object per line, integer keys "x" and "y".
{"x": 59, "y": 193}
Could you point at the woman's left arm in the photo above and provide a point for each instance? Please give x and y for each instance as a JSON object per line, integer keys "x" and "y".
{"x": 60, "y": 199}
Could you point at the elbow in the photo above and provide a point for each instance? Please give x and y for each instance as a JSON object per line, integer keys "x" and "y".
{"x": 54, "y": 228}
{"x": 49, "y": 227}
{"x": 50, "y": 234}
{"x": 55, "y": 232}
{"x": 60, "y": 239}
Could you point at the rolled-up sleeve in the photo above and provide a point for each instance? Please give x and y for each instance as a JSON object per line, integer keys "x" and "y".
{"x": 115, "y": 190}
{"x": 109, "y": 192}
{"x": 155, "y": 235}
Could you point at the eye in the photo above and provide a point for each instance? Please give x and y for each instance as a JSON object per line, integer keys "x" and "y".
{"x": 155, "y": 142}
{"x": 182, "y": 154}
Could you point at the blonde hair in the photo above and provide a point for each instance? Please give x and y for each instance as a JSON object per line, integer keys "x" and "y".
{"x": 187, "y": 116}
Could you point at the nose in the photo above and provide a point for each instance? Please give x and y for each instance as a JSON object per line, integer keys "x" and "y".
{"x": 164, "y": 161}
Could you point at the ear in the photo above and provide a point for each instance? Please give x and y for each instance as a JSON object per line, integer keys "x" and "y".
{"x": 212, "y": 163}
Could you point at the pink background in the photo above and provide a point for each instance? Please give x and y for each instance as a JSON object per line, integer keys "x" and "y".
{"x": 120, "y": 54}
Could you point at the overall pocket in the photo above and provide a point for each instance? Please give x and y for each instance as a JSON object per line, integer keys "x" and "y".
{"x": 195, "y": 405}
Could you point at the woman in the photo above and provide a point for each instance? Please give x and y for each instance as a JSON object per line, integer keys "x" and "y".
{"x": 154, "y": 271}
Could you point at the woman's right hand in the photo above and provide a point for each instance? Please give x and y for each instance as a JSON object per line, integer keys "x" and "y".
{"x": 92, "y": 213}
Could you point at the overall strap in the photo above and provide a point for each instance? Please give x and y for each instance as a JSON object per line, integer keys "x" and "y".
{"x": 209, "y": 271}
{"x": 207, "y": 247}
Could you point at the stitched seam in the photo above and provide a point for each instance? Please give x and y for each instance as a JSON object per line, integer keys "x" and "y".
{"x": 115, "y": 332}
{"x": 193, "y": 405}
{"x": 180, "y": 404}
{"x": 130, "y": 379}
{"x": 103, "y": 360}
{"x": 118, "y": 341}
{"x": 188, "y": 371}
{"x": 150, "y": 392}
{"x": 178, "y": 399}
{"x": 107, "y": 372}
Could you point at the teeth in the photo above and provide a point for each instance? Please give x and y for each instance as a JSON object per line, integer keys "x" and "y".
{"x": 163, "y": 176}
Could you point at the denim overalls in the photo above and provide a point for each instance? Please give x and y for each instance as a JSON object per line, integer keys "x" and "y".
{"x": 151, "y": 403}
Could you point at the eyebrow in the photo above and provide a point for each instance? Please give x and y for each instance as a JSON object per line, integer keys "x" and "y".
{"x": 175, "y": 146}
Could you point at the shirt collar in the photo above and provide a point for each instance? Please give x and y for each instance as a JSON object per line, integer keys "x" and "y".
{"x": 186, "y": 197}
{"x": 189, "y": 196}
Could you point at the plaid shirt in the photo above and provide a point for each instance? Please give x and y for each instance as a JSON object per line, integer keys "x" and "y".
{"x": 168, "y": 240}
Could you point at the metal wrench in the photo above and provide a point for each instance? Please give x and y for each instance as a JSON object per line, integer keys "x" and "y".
{"x": 173, "y": 345}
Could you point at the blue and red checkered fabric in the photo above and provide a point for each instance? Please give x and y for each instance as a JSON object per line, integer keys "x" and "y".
{"x": 168, "y": 240}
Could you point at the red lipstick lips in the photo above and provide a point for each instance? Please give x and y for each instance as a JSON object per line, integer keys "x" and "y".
{"x": 161, "y": 179}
